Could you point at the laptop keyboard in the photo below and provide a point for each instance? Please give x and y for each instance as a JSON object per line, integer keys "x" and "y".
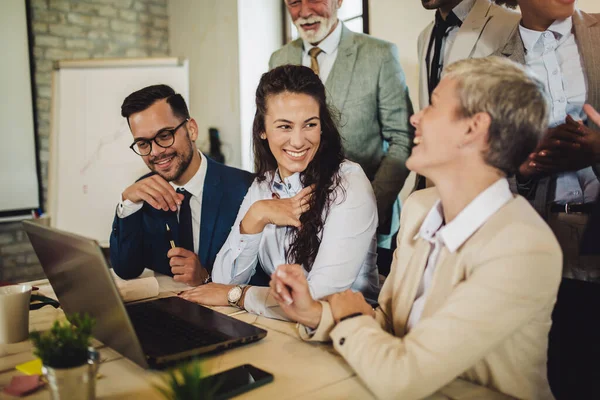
{"x": 159, "y": 329}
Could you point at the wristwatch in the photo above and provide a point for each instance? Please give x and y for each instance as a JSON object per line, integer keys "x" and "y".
{"x": 234, "y": 295}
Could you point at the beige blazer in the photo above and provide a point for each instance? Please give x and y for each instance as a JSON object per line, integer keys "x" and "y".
{"x": 486, "y": 28}
{"x": 486, "y": 318}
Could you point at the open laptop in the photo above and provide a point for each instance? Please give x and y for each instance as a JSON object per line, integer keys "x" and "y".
{"x": 154, "y": 333}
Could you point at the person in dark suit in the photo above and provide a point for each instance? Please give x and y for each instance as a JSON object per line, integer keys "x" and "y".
{"x": 196, "y": 197}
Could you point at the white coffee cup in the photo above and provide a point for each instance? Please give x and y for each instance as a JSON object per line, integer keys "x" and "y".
{"x": 14, "y": 313}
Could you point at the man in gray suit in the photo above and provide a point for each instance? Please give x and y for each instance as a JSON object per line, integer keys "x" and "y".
{"x": 366, "y": 84}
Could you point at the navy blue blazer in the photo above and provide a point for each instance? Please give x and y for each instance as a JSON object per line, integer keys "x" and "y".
{"x": 140, "y": 240}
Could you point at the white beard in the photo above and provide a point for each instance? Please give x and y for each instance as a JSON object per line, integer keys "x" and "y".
{"x": 318, "y": 35}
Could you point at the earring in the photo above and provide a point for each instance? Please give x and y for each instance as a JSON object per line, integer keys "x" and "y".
{"x": 263, "y": 136}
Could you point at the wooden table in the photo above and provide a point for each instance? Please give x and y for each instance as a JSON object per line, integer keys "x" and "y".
{"x": 302, "y": 370}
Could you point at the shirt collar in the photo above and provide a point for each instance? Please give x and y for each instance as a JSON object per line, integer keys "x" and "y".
{"x": 463, "y": 9}
{"x": 287, "y": 187}
{"x": 330, "y": 43}
{"x": 531, "y": 38}
{"x": 196, "y": 184}
{"x": 469, "y": 220}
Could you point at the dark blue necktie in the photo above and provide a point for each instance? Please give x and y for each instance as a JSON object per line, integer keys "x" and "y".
{"x": 440, "y": 31}
{"x": 186, "y": 236}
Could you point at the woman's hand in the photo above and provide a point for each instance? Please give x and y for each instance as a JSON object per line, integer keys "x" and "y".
{"x": 348, "y": 303}
{"x": 211, "y": 294}
{"x": 280, "y": 212}
{"x": 290, "y": 288}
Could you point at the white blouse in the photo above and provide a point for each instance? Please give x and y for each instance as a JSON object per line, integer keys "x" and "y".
{"x": 347, "y": 255}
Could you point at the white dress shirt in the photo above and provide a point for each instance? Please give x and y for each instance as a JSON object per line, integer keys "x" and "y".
{"x": 554, "y": 56}
{"x": 327, "y": 57}
{"x": 195, "y": 186}
{"x": 347, "y": 254}
{"x": 462, "y": 10}
{"x": 454, "y": 234}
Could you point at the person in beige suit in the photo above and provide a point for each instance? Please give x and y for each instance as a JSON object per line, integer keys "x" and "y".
{"x": 479, "y": 28}
{"x": 462, "y": 29}
{"x": 476, "y": 271}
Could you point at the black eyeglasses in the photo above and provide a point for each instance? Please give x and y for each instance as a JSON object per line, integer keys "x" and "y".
{"x": 164, "y": 138}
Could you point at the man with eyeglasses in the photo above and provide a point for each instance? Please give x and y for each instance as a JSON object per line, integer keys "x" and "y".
{"x": 196, "y": 197}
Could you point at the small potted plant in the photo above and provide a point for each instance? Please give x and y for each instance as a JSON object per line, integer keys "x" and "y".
{"x": 186, "y": 382}
{"x": 69, "y": 363}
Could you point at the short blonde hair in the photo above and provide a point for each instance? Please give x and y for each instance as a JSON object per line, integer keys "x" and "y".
{"x": 514, "y": 99}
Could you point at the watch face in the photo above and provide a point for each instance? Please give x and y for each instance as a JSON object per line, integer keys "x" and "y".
{"x": 234, "y": 294}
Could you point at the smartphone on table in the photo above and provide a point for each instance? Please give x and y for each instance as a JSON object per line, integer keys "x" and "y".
{"x": 237, "y": 380}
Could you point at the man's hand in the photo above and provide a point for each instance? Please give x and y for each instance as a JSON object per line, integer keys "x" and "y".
{"x": 348, "y": 303}
{"x": 290, "y": 289}
{"x": 280, "y": 212}
{"x": 155, "y": 191}
{"x": 186, "y": 267}
{"x": 211, "y": 294}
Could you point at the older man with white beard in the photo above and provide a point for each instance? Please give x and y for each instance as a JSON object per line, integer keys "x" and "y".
{"x": 366, "y": 84}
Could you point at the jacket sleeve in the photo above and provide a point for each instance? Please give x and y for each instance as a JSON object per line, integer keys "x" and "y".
{"x": 505, "y": 291}
{"x": 394, "y": 111}
{"x": 126, "y": 246}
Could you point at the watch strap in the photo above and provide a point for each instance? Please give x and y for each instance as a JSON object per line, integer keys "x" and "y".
{"x": 356, "y": 314}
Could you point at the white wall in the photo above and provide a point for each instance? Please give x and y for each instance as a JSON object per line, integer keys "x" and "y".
{"x": 206, "y": 33}
{"x": 590, "y": 6}
{"x": 257, "y": 24}
{"x": 400, "y": 22}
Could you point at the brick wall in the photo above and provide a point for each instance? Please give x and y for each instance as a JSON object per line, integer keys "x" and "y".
{"x": 70, "y": 29}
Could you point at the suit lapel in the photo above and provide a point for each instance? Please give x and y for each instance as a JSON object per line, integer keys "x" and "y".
{"x": 587, "y": 34}
{"x": 513, "y": 49}
{"x": 294, "y": 55}
{"x": 411, "y": 281}
{"x": 211, "y": 200}
{"x": 443, "y": 282}
{"x": 338, "y": 81}
{"x": 470, "y": 31}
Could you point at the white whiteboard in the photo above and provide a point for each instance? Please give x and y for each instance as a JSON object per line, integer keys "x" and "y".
{"x": 19, "y": 190}
{"x": 90, "y": 159}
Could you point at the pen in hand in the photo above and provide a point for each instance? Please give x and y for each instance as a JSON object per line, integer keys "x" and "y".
{"x": 170, "y": 236}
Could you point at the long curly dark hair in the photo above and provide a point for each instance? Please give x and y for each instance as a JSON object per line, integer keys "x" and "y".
{"x": 322, "y": 171}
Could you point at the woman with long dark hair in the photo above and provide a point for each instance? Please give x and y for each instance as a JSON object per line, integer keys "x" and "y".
{"x": 307, "y": 206}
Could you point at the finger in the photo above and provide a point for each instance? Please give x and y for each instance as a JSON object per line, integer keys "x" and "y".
{"x": 158, "y": 193}
{"x": 180, "y": 252}
{"x": 148, "y": 198}
{"x": 304, "y": 192}
{"x": 571, "y": 134}
{"x": 279, "y": 288}
{"x": 178, "y": 270}
{"x": 293, "y": 269}
{"x": 304, "y": 208}
{"x": 173, "y": 198}
{"x": 167, "y": 193}
{"x": 277, "y": 297}
{"x": 294, "y": 282}
{"x": 592, "y": 113}
{"x": 182, "y": 279}
{"x": 570, "y": 121}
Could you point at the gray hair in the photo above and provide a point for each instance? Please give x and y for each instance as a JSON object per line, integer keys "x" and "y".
{"x": 513, "y": 98}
